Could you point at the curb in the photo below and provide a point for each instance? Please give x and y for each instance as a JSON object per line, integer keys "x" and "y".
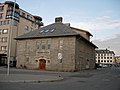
{"x": 30, "y": 81}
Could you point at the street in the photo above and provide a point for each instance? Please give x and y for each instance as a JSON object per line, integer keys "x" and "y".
{"x": 100, "y": 79}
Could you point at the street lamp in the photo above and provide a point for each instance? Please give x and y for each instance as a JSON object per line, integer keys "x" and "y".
{"x": 10, "y": 40}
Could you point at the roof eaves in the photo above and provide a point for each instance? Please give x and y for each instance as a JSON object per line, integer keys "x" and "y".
{"x": 88, "y": 41}
{"x": 48, "y": 36}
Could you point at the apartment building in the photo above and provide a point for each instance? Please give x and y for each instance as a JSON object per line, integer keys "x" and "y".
{"x": 105, "y": 57}
{"x": 14, "y": 21}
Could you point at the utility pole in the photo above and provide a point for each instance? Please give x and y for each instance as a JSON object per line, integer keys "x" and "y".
{"x": 10, "y": 39}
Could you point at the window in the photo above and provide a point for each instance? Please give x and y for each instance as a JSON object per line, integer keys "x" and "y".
{"x": 32, "y": 29}
{"x": 47, "y": 30}
{"x": 1, "y": 8}
{"x": 3, "y": 48}
{"x": 0, "y": 39}
{"x": 4, "y": 39}
{"x": 107, "y": 60}
{"x": 10, "y": 8}
{"x": 28, "y": 17}
{"x": 0, "y": 31}
{"x": 48, "y": 61}
{"x": 5, "y": 31}
{"x": 1, "y": 22}
{"x": 16, "y": 14}
{"x": 26, "y": 28}
{"x": 9, "y": 14}
{"x": 43, "y": 45}
{"x": 49, "y": 44}
{"x": 107, "y": 57}
{"x": 101, "y": 60}
{"x": 6, "y": 22}
{"x": 104, "y": 57}
{"x": 98, "y": 61}
{"x": 52, "y": 30}
{"x": 38, "y": 44}
{"x": 15, "y": 23}
{"x": 110, "y": 60}
{"x": 60, "y": 44}
{"x": 104, "y": 60}
{"x": 41, "y": 31}
{"x": 1, "y": 16}
{"x": 23, "y": 14}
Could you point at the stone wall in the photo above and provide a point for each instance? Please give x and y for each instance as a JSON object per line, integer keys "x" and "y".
{"x": 60, "y": 56}
{"x": 85, "y": 55}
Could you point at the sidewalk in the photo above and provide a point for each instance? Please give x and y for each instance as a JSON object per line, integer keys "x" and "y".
{"x": 23, "y": 78}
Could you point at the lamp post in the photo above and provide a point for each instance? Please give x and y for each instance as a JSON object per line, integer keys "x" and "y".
{"x": 10, "y": 39}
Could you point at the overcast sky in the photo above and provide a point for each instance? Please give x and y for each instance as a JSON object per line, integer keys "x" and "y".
{"x": 99, "y": 17}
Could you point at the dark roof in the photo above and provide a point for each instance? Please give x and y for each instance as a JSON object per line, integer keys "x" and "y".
{"x": 104, "y": 51}
{"x": 12, "y": 4}
{"x": 52, "y": 30}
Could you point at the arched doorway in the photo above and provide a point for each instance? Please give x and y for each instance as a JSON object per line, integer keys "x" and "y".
{"x": 42, "y": 64}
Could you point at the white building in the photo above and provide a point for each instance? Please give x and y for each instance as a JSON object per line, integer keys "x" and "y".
{"x": 105, "y": 57}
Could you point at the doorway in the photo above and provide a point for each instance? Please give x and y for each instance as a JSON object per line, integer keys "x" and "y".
{"x": 42, "y": 64}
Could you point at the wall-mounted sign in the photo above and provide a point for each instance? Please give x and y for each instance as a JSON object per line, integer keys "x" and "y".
{"x": 60, "y": 56}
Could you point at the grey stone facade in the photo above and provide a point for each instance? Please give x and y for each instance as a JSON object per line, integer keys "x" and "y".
{"x": 63, "y": 52}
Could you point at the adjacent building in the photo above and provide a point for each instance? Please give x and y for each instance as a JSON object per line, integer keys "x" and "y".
{"x": 117, "y": 60}
{"x": 14, "y": 21}
{"x": 57, "y": 47}
{"x": 105, "y": 57}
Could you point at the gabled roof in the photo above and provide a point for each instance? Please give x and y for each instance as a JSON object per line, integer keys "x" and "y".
{"x": 52, "y": 30}
{"x": 104, "y": 51}
{"x": 82, "y": 30}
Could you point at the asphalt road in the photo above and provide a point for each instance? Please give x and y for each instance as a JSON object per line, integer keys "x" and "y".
{"x": 100, "y": 79}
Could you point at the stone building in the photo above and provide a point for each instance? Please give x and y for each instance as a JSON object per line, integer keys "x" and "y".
{"x": 14, "y": 21}
{"x": 56, "y": 47}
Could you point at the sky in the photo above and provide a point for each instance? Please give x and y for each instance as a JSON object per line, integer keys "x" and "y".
{"x": 100, "y": 17}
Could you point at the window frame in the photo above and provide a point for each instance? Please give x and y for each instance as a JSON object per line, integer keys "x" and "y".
{"x": 3, "y": 48}
{"x": 3, "y": 31}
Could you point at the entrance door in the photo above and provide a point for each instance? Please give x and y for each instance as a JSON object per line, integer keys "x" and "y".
{"x": 42, "y": 64}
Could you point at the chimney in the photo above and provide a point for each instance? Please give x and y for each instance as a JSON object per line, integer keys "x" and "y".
{"x": 58, "y": 20}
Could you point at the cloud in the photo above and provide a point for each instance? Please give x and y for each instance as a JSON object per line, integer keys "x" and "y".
{"x": 108, "y": 32}
{"x": 100, "y": 23}
{"x": 112, "y": 44}
{"x": 103, "y": 18}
